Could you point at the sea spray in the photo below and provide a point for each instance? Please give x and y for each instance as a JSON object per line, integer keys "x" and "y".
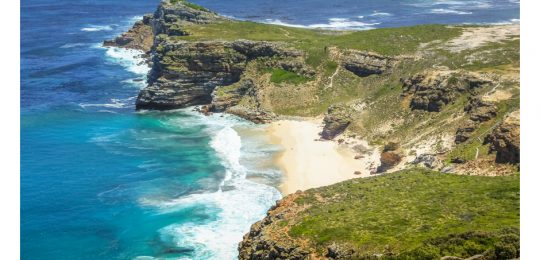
{"x": 131, "y": 59}
{"x": 232, "y": 208}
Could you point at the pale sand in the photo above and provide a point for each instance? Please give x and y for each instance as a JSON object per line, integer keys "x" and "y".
{"x": 309, "y": 163}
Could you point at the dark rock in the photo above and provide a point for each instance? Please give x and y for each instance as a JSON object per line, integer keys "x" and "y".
{"x": 388, "y": 160}
{"x": 357, "y": 172}
{"x": 431, "y": 91}
{"x": 480, "y": 111}
{"x": 504, "y": 139}
{"x": 364, "y": 64}
{"x": 457, "y": 160}
{"x": 428, "y": 160}
{"x": 336, "y": 120}
{"x": 390, "y": 146}
{"x": 464, "y": 132}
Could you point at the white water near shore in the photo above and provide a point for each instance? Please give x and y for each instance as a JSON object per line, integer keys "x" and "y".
{"x": 238, "y": 202}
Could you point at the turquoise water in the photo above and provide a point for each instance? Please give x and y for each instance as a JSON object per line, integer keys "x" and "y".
{"x": 101, "y": 181}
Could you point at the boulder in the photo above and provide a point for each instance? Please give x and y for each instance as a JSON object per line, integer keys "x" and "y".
{"x": 389, "y": 159}
{"x": 427, "y": 160}
{"x": 336, "y": 120}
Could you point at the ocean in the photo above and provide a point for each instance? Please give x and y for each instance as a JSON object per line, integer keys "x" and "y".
{"x": 102, "y": 181}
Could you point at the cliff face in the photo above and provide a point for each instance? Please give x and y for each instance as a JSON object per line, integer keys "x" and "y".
{"x": 139, "y": 37}
{"x": 186, "y": 73}
{"x": 504, "y": 140}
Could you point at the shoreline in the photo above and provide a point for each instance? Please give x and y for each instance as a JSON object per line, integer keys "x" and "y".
{"x": 307, "y": 162}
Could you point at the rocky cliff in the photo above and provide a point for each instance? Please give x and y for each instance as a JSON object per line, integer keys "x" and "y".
{"x": 419, "y": 103}
{"x": 186, "y": 73}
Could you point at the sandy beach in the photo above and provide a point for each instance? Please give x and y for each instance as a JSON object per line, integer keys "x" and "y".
{"x": 308, "y": 162}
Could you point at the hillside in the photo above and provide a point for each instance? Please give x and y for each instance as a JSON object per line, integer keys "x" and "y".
{"x": 412, "y": 214}
{"x": 432, "y": 91}
{"x": 429, "y": 98}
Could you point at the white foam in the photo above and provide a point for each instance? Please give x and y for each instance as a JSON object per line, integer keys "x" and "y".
{"x": 131, "y": 59}
{"x": 380, "y": 14}
{"x": 115, "y": 103}
{"x": 448, "y": 11}
{"x": 479, "y": 4}
{"x": 72, "y": 45}
{"x": 97, "y": 28}
{"x": 333, "y": 23}
{"x": 236, "y": 205}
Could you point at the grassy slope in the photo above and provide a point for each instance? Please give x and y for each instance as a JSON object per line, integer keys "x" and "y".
{"x": 292, "y": 94}
{"x": 403, "y": 210}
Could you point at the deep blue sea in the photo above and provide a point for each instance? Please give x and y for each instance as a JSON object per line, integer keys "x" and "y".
{"x": 101, "y": 181}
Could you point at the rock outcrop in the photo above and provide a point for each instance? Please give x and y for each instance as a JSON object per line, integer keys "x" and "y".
{"x": 433, "y": 90}
{"x": 364, "y": 64}
{"x": 170, "y": 17}
{"x": 504, "y": 139}
{"x": 266, "y": 240}
{"x": 139, "y": 37}
{"x": 479, "y": 110}
{"x": 465, "y": 131}
{"x": 390, "y": 157}
{"x": 428, "y": 160}
{"x": 336, "y": 120}
{"x": 186, "y": 73}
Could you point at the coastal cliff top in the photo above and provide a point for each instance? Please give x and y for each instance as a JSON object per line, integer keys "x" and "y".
{"x": 413, "y": 214}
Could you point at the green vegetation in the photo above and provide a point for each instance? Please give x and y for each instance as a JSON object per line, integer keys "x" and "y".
{"x": 281, "y": 75}
{"x": 467, "y": 150}
{"x": 388, "y": 115}
{"x": 414, "y": 211}
{"x": 189, "y": 4}
{"x": 388, "y": 41}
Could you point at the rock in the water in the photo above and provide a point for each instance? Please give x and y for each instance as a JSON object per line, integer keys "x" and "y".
{"x": 433, "y": 90}
{"x": 336, "y": 120}
{"x": 504, "y": 139}
{"x": 364, "y": 64}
